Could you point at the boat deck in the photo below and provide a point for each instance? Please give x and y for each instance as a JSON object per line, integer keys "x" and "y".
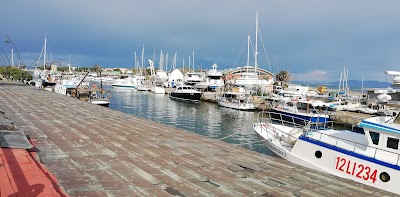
{"x": 96, "y": 151}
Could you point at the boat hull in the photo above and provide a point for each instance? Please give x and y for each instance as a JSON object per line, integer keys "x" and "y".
{"x": 238, "y": 105}
{"x": 104, "y": 103}
{"x": 334, "y": 160}
{"x": 194, "y": 97}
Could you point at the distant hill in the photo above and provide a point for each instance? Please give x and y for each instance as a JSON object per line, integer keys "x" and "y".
{"x": 350, "y": 83}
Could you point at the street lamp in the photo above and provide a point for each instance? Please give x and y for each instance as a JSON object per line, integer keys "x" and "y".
{"x": 8, "y": 40}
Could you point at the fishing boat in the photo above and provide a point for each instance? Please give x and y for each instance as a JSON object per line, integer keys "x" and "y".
{"x": 370, "y": 157}
{"x": 186, "y": 93}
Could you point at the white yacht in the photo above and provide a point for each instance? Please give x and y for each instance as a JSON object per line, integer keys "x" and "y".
{"x": 213, "y": 79}
{"x": 371, "y": 157}
{"x": 130, "y": 82}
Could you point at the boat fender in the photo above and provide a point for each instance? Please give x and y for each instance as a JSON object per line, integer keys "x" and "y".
{"x": 94, "y": 86}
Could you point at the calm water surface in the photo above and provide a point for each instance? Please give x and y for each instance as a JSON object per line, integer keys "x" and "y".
{"x": 203, "y": 118}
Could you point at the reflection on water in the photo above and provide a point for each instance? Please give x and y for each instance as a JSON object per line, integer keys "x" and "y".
{"x": 202, "y": 118}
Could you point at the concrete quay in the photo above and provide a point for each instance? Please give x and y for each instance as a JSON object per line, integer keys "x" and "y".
{"x": 96, "y": 151}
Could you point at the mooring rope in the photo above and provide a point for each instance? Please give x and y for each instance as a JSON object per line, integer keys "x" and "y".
{"x": 234, "y": 133}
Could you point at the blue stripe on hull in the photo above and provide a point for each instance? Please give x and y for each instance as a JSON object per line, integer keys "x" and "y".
{"x": 353, "y": 154}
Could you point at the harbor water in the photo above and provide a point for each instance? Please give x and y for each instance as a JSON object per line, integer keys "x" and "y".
{"x": 208, "y": 119}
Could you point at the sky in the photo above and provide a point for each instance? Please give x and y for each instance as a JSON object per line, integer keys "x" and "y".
{"x": 312, "y": 39}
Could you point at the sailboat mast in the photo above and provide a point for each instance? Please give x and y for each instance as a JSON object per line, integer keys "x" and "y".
{"x": 136, "y": 69}
{"x": 142, "y": 67}
{"x": 193, "y": 61}
{"x": 189, "y": 63}
{"x": 248, "y": 50}
{"x": 44, "y": 55}
{"x": 340, "y": 82}
{"x": 256, "y": 47}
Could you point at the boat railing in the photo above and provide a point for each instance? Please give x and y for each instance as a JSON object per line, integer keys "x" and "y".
{"x": 287, "y": 120}
{"x": 293, "y": 121}
{"x": 374, "y": 152}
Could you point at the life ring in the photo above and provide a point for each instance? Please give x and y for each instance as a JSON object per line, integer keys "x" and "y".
{"x": 94, "y": 86}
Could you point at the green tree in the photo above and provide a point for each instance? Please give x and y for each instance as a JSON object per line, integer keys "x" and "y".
{"x": 283, "y": 76}
{"x": 15, "y": 73}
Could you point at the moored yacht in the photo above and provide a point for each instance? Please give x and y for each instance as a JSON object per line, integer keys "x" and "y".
{"x": 186, "y": 93}
{"x": 130, "y": 82}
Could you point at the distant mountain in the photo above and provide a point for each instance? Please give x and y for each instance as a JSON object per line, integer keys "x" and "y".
{"x": 350, "y": 83}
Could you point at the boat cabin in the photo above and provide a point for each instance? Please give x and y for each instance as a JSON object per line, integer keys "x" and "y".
{"x": 383, "y": 133}
{"x": 184, "y": 88}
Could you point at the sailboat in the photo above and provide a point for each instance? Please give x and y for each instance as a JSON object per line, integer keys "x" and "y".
{"x": 250, "y": 78}
{"x": 161, "y": 77}
{"x": 192, "y": 78}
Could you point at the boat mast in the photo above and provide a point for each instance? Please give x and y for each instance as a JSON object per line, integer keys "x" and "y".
{"x": 142, "y": 67}
{"x": 136, "y": 69}
{"x": 256, "y": 47}
{"x": 44, "y": 55}
{"x": 189, "y": 63}
{"x": 193, "y": 61}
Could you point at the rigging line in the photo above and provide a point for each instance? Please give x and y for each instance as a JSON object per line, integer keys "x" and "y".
{"x": 252, "y": 48}
{"x": 265, "y": 51}
{"x": 3, "y": 59}
{"x": 40, "y": 56}
{"x": 9, "y": 63}
{"x": 240, "y": 54}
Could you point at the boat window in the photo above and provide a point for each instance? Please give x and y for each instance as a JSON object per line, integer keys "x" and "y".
{"x": 374, "y": 137}
{"x": 393, "y": 143}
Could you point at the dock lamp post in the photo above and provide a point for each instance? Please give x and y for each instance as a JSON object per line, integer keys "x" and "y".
{"x": 8, "y": 40}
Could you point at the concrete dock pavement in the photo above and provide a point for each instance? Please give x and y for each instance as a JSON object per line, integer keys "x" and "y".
{"x": 96, "y": 151}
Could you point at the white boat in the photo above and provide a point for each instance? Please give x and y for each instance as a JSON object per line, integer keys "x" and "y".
{"x": 372, "y": 158}
{"x": 192, "y": 78}
{"x": 143, "y": 87}
{"x": 186, "y": 93}
{"x": 213, "y": 79}
{"x": 129, "y": 82}
{"x": 236, "y": 100}
{"x": 101, "y": 102}
{"x": 313, "y": 110}
{"x": 157, "y": 90}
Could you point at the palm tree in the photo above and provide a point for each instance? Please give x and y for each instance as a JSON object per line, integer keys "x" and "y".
{"x": 283, "y": 76}
{"x": 96, "y": 68}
